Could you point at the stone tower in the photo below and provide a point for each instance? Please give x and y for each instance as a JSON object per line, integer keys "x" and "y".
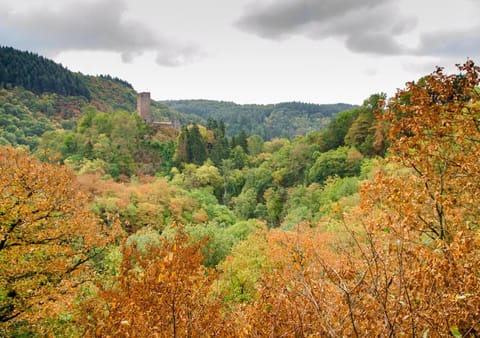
{"x": 143, "y": 107}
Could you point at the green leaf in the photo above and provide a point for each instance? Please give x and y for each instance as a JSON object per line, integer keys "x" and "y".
{"x": 455, "y": 332}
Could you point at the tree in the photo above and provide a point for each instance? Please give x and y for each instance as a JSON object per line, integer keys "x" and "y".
{"x": 48, "y": 236}
{"x": 244, "y": 267}
{"x": 196, "y": 147}
{"x": 423, "y": 252}
{"x": 241, "y": 140}
{"x": 245, "y": 203}
{"x": 191, "y": 146}
{"x": 363, "y": 132}
{"x": 294, "y": 295}
{"x": 255, "y": 145}
{"x": 220, "y": 150}
{"x": 341, "y": 162}
{"x": 333, "y": 136}
{"x": 435, "y": 132}
{"x": 181, "y": 150}
{"x": 238, "y": 157}
{"x": 161, "y": 292}
{"x": 274, "y": 201}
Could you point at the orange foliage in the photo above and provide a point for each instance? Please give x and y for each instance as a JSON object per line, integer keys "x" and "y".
{"x": 413, "y": 268}
{"x": 47, "y": 236}
{"x": 163, "y": 293}
{"x": 146, "y": 203}
{"x": 296, "y": 298}
{"x": 423, "y": 252}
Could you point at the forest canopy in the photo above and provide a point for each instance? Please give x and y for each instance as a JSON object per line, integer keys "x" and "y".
{"x": 38, "y": 74}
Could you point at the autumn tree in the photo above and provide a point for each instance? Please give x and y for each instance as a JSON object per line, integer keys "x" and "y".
{"x": 48, "y": 237}
{"x": 408, "y": 262}
{"x": 305, "y": 290}
{"x": 162, "y": 291}
{"x": 435, "y": 130}
{"x": 421, "y": 220}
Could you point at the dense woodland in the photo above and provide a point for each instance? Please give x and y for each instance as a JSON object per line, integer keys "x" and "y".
{"x": 38, "y": 74}
{"x": 367, "y": 225}
{"x": 287, "y": 119}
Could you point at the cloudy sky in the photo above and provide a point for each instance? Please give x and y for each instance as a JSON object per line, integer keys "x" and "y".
{"x": 249, "y": 51}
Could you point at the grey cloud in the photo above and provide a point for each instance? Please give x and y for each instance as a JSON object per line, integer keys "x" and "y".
{"x": 185, "y": 55}
{"x": 369, "y": 26}
{"x": 89, "y": 25}
{"x": 464, "y": 43}
{"x": 288, "y": 17}
{"x": 128, "y": 57}
{"x": 376, "y": 43}
{"x": 403, "y": 26}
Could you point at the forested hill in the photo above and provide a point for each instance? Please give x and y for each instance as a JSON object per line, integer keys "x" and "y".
{"x": 51, "y": 90}
{"x": 38, "y": 95}
{"x": 38, "y": 74}
{"x": 273, "y": 120}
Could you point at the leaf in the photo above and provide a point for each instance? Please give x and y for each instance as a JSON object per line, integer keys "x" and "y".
{"x": 455, "y": 332}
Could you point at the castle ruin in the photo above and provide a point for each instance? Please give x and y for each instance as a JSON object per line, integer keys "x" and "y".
{"x": 143, "y": 107}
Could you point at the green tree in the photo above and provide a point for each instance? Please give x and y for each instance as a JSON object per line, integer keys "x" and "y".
{"x": 196, "y": 146}
{"x": 333, "y": 136}
{"x": 238, "y": 157}
{"x": 362, "y": 133}
{"x": 241, "y": 140}
{"x": 255, "y": 145}
{"x": 340, "y": 162}
{"x": 220, "y": 150}
{"x": 181, "y": 150}
{"x": 245, "y": 203}
{"x": 274, "y": 201}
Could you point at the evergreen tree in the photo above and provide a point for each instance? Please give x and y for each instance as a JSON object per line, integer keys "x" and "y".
{"x": 196, "y": 146}
{"x": 38, "y": 74}
{"x": 220, "y": 149}
{"x": 241, "y": 140}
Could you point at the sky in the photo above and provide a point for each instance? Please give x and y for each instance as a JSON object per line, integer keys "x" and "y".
{"x": 250, "y": 51}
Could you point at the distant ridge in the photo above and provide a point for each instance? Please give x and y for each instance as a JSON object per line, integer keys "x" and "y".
{"x": 286, "y": 119}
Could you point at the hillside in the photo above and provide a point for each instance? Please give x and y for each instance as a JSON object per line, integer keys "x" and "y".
{"x": 38, "y": 74}
{"x": 273, "y": 120}
{"x": 39, "y": 95}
